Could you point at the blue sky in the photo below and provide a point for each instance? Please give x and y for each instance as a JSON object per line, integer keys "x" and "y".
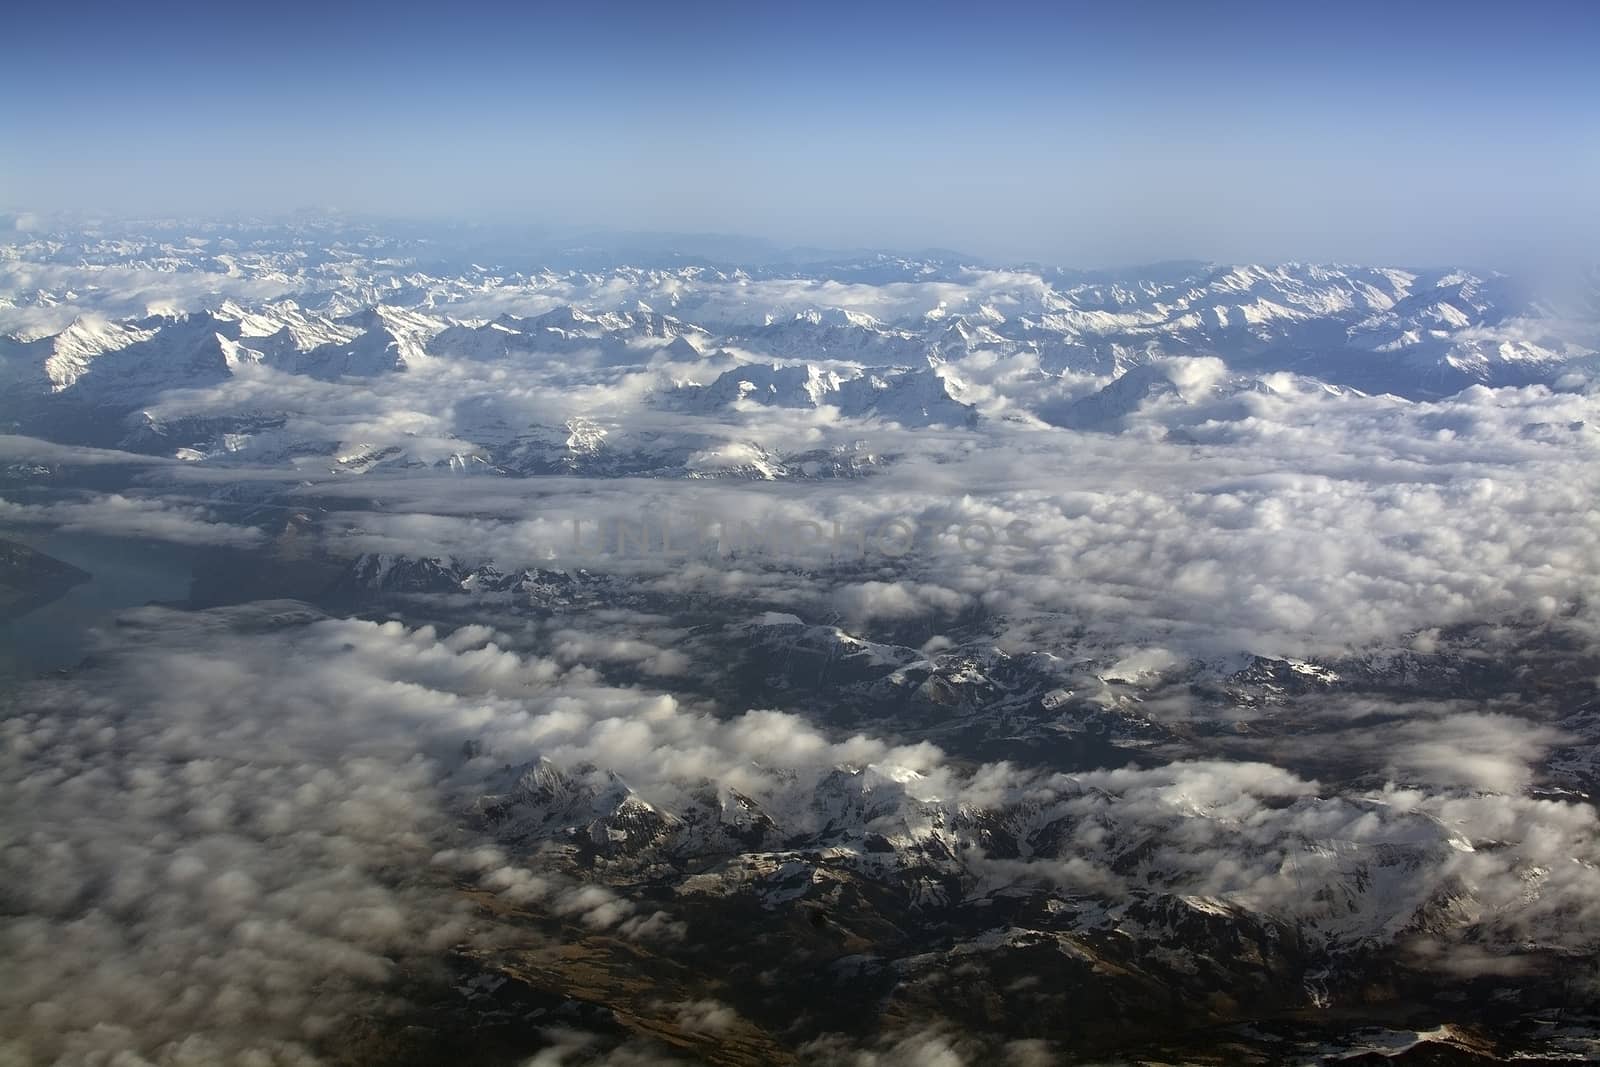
{"x": 1081, "y": 135}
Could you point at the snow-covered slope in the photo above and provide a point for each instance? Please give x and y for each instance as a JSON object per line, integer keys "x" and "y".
{"x": 906, "y": 397}
{"x": 423, "y": 352}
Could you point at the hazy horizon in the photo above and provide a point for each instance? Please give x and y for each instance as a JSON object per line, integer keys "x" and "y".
{"x": 1067, "y": 136}
{"x": 521, "y": 244}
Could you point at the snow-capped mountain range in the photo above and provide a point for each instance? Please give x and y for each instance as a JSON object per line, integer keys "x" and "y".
{"x": 1186, "y": 663}
{"x": 1082, "y": 351}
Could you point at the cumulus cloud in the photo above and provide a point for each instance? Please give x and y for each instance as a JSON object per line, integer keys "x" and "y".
{"x": 194, "y": 881}
{"x": 125, "y": 516}
{"x": 935, "y": 1047}
{"x": 1288, "y": 537}
{"x": 1348, "y": 869}
{"x": 19, "y": 449}
{"x": 864, "y": 601}
{"x": 1474, "y": 750}
{"x": 222, "y": 855}
{"x": 1270, "y": 513}
{"x": 241, "y": 825}
{"x": 236, "y": 873}
{"x": 121, "y": 291}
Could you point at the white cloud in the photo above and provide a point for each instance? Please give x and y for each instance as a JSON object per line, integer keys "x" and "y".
{"x": 116, "y": 515}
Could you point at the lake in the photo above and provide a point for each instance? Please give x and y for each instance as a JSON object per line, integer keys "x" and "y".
{"x": 124, "y": 574}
